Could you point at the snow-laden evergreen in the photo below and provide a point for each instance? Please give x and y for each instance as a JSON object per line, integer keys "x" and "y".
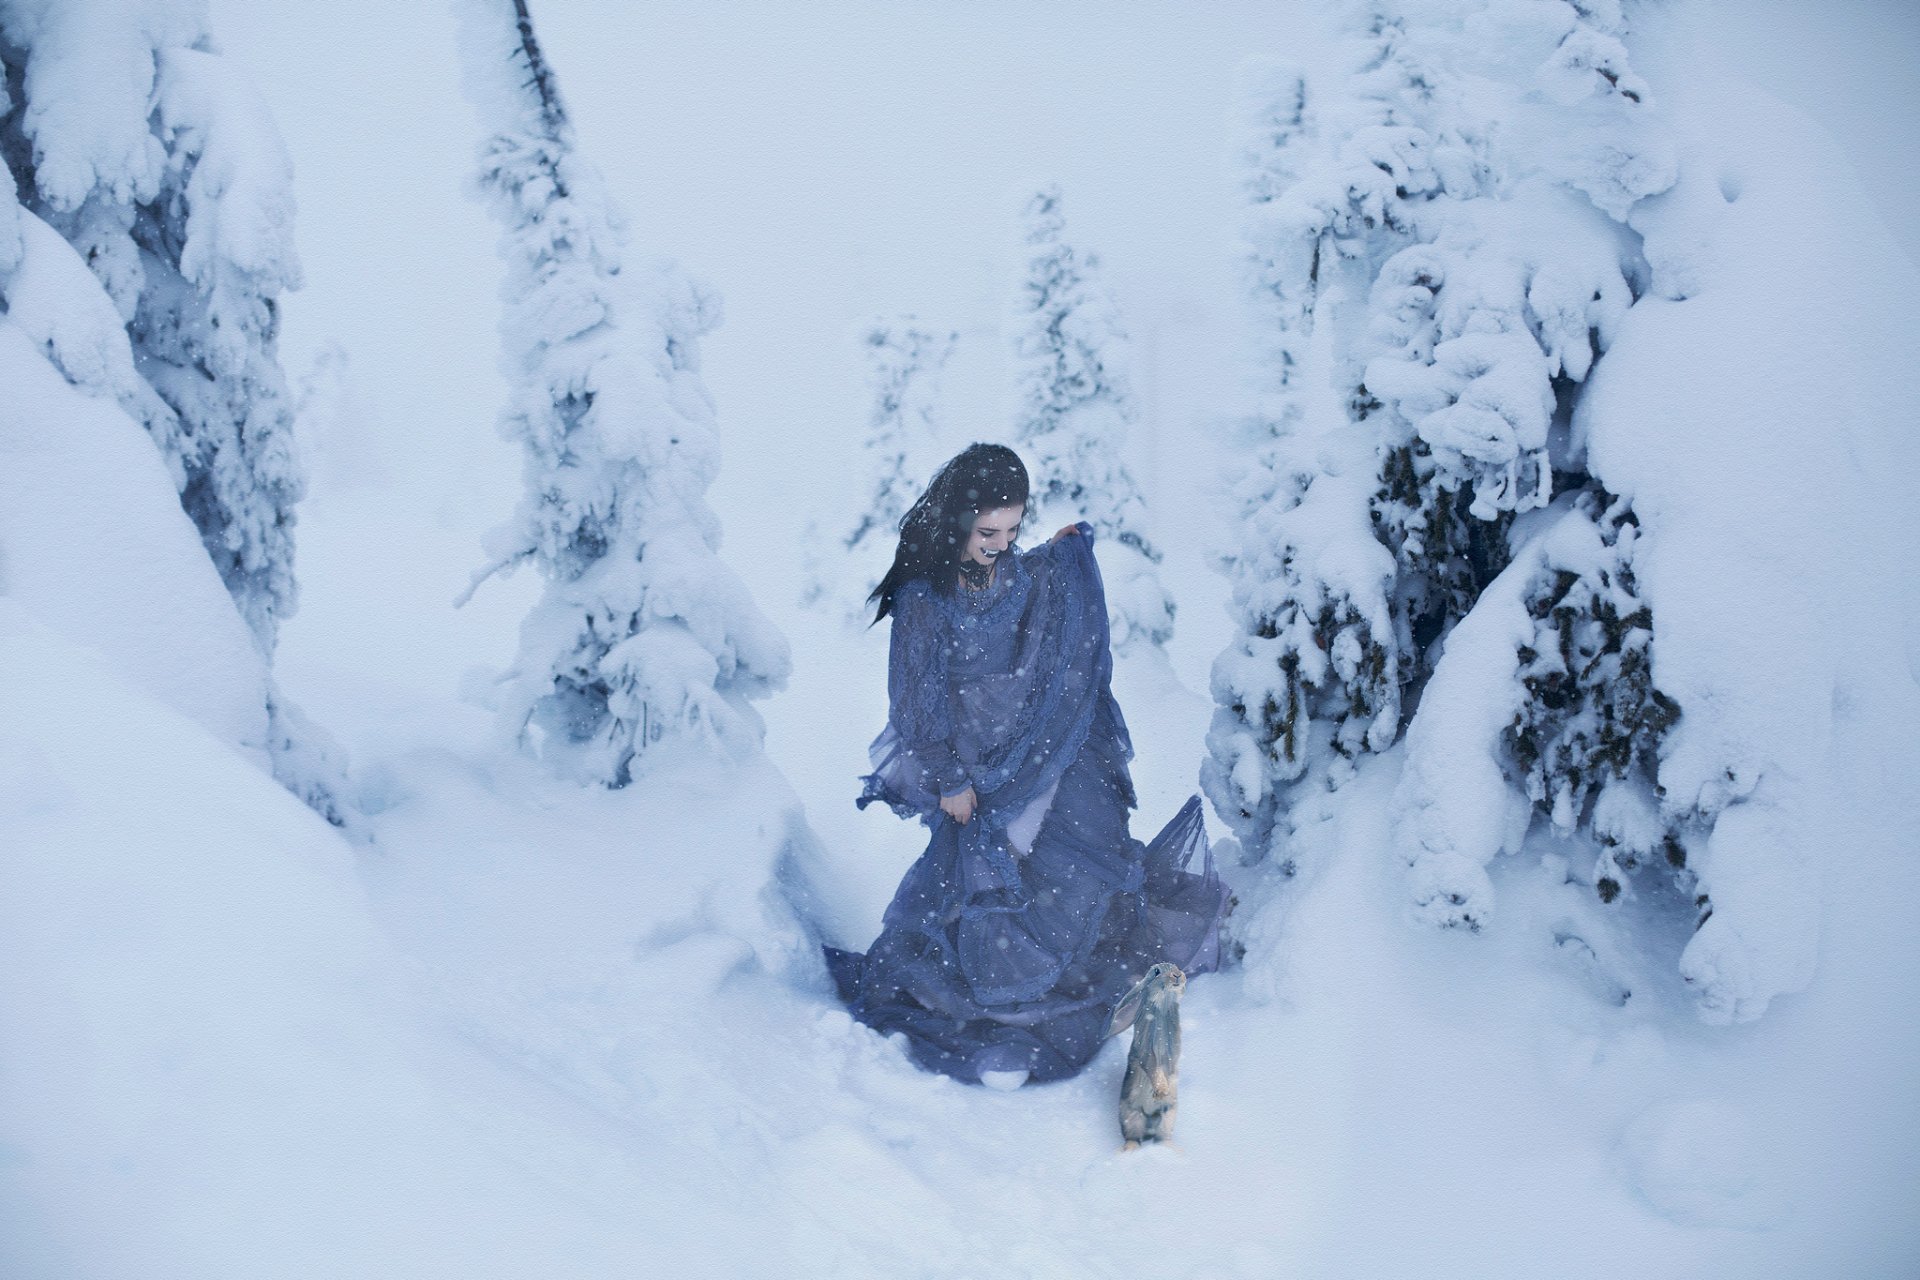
{"x": 157, "y": 162}
{"x": 147, "y": 264}
{"x": 1544, "y": 703}
{"x": 642, "y": 636}
{"x": 1310, "y": 580}
{"x": 1336, "y": 175}
{"x": 1385, "y": 206}
{"x": 1276, "y": 115}
{"x": 1456, "y": 224}
{"x": 1076, "y": 406}
{"x": 208, "y": 338}
{"x": 1589, "y": 733}
{"x": 904, "y": 446}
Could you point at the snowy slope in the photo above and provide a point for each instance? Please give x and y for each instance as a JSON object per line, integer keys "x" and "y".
{"x": 94, "y": 544}
{"x": 213, "y": 1065}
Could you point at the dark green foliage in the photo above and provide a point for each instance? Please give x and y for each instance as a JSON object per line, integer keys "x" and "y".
{"x": 1588, "y": 738}
{"x": 1446, "y": 556}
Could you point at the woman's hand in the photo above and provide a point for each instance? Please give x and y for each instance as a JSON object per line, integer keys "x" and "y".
{"x": 1072, "y": 528}
{"x": 960, "y": 807}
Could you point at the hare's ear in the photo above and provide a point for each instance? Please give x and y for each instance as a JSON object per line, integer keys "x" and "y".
{"x": 1129, "y": 1007}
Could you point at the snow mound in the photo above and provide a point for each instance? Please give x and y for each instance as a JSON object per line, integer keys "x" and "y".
{"x": 1698, "y": 1164}
{"x": 212, "y": 1066}
{"x": 93, "y": 544}
{"x": 1757, "y": 414}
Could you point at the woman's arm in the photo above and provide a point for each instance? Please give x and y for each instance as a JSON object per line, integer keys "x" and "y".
{"x": 1045, "y": 552}
{"x": 1079, "y": 528}
{"x": 917, "y": 695}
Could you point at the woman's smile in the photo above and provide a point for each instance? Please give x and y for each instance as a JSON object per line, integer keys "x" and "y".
{"x": 993, "y": 533}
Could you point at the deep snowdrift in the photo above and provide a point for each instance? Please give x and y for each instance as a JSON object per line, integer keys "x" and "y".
{"x": 213, "y": 1065}
{"x": 93, "y": 542}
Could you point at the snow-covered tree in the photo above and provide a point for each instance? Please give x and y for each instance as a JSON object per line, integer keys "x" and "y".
{"x": 157, "y": 162}
{"x": 1456, "y": 224}
{"x": 903, "y": 444}
{"x": 642, "y": 635}
{"x": 1316, "y": 639}
{"x": 1075, "y": 409}
{"x": 148, "y": 248}
{"x": 1277, "y": 123}
{"x": 1463, "y": 289}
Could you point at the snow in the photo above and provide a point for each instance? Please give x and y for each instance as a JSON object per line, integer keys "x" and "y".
{"x": 535, "y": 1029}
{"x": 213, "y": 1059}
{"x": 1776, "y": 558}
{"x": 1455, "y": 807}
{"x": 53, "y": 299}
{"x": 239, "y": 196}
{"x": 94, "y": 544}
{"x": 1698, "y": 1164}
{"x": 90, "y": 92}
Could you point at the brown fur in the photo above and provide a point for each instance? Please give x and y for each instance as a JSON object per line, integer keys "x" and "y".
{"x": 1150, "y": 1090}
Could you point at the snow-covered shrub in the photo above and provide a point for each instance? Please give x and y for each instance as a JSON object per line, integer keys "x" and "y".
{"x": 310, "y": 763}
{"x": 1075, "y": 409}
{"x": 642, "y": 635}
{"x": 1314, "y": 640}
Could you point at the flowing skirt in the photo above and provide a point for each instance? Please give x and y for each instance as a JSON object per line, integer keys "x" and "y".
{"x": 986, "y": 974}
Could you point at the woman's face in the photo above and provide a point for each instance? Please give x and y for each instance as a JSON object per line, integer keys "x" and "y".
{"x": 992, "y": 534}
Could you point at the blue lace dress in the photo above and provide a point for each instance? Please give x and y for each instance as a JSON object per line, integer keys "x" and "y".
{"x": 1013, "y": 936}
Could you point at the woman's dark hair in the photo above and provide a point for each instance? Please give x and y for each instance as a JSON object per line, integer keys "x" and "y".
{"x": 934, "y": 532}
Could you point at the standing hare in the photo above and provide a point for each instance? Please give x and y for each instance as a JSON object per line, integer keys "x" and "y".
{"x": 1150, "y": 1090}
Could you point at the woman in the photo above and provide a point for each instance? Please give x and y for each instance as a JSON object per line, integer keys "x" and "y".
{"x": 1033, "y": 910}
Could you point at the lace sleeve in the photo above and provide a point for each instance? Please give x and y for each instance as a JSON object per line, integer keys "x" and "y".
{"x": 917, "y": 691}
